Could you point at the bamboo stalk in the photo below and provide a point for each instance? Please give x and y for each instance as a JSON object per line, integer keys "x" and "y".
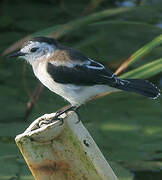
{"x": 63, "y": 152}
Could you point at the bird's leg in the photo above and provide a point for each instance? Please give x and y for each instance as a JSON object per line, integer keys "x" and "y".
{"x": 59, "y": 113}
{"x": 72, "y": 108}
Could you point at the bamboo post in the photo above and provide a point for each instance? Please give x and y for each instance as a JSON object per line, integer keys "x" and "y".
{"x": 63, "y": 152}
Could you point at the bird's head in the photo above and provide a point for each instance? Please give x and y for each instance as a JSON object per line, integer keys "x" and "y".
{"x": 36, "y": 49}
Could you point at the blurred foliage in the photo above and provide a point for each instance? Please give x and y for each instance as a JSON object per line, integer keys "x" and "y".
{"x": 104, "y": 31}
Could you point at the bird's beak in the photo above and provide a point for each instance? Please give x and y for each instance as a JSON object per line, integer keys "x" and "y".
{"x": 16, "y": 54}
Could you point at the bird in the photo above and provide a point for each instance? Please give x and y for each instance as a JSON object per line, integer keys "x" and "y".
{"x": 74, "y": 76}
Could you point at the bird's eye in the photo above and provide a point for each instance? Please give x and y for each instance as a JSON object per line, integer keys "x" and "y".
{"x": 34, "y": 49}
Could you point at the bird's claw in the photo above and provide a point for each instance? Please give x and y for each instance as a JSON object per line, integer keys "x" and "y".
{"x": 46, "y": 120}
{"x": 50, "y": 118}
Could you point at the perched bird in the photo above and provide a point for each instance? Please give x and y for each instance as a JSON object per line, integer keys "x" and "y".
{"x": 74, "y": 76}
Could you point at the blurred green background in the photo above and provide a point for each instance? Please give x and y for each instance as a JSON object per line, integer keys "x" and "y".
{"x": 127, "y": 127}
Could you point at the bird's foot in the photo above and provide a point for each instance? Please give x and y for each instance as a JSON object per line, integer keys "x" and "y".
{"x": 74, "y": 109}
{"x": 71, "y": 108}
{"x": 50, "y": 118}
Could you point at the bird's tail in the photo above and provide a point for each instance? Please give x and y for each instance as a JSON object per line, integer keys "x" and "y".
{"x": 139, "y": 86}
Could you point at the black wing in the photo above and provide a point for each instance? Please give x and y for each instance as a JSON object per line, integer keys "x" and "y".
{"x": 88, "y": 74}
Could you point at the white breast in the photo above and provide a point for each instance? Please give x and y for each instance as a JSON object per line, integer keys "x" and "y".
{"x": 41, "y": 73}
{"x": 76, "y": 95}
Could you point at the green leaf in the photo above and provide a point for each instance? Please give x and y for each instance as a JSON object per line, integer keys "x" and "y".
{"x": 145, "y": 71}
{"x": 58, "y": 31}
{"x": 61, "y": 30}
{"x": 140, "y": 53}
{"x": 145, "y": 49}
